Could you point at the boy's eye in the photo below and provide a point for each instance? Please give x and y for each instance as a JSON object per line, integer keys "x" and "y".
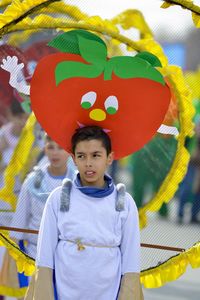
{"x": 96, "y": 155}
{"x": 88, "y": 100}
{"x": 50, "y": 147}
{"x": 111, "y": 105}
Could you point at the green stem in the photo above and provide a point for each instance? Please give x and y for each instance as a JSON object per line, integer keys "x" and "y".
{"x": 108, "y": 70}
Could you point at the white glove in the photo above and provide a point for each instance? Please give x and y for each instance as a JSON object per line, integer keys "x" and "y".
{"x": 10, "y": 64}
{"x": 17, "y": 80}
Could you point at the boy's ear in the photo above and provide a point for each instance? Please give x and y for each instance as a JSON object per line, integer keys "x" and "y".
{"x": 73, "y": 157}
{"x": 110, "y": 158}
{"x": 44, "y": 148}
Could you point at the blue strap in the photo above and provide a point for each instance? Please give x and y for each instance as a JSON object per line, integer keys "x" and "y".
{"x": 23, "y": 279}
{"x": 54, "y": 285}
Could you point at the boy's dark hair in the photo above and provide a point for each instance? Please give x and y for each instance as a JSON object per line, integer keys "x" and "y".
{"x": 47, "y": 138}
{"x": 16, "y": 108}
{"x": 88, "y": 133}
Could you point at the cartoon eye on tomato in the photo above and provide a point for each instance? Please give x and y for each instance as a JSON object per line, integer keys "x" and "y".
{"x": 126, "y": 96}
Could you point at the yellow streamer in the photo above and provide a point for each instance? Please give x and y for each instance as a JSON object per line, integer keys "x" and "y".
{"x": 4, "y": 3}
{"x": 18, "y": 160}
{"x": 24, "y": 262}
{"x": 70, "y": 11}
{"x": 172, "y": 269}
{"x": 95, "y": 24}
{"x": 133, "y": 18}
{"x": 154, "y": 277}
{"x": 193, "y": 79}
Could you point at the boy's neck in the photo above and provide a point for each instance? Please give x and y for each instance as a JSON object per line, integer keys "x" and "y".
{"x": 15, "y": 131}
{"x": 57, "y": 171}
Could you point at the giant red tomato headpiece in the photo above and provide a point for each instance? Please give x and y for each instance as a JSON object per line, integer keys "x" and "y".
{"x": 126, "y": 96}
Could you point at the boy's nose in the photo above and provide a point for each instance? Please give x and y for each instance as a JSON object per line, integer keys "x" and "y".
{"x": 88, "y": 162}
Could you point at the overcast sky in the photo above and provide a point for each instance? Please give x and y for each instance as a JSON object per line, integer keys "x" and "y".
{"x": 174, "y": 19}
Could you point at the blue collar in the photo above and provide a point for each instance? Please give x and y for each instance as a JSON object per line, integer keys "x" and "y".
{"x": 95, "y": 191}
{"x": 57, "y": 176}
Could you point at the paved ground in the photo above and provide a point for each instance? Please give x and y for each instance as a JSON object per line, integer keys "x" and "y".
{"x": 168, "y": 232}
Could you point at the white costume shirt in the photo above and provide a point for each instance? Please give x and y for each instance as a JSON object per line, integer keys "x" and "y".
{"x": 95, "y": 272}
{"x": 30, "y": 206}
{"x": 11, "y": 140}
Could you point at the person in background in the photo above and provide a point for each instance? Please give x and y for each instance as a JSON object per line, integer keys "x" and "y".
{"x": 36, "y": 188}
{"x": 9, "y": 135}
{"x": 189, "y": 190}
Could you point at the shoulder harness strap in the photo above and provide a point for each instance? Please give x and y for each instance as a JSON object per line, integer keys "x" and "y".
{"x": 66, "y": 189}
{"x": 65, "y": 195}
{"x": 39, "y": 174}
{"x": 120, "y": 199}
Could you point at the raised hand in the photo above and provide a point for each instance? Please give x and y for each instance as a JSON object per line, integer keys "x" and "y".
{"x": 17, "y": 80}
{"x": 10, "y": 64}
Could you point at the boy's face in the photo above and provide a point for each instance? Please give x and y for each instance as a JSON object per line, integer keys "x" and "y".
{"x": 56, "y": 155}
{"x": 19, "y": 122}
{"x": 92, "y": 161}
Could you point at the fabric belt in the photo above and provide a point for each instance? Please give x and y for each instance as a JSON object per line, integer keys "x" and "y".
{"x": 81, "y": 246}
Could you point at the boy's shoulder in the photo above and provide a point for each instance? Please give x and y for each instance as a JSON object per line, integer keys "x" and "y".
{"x": 55, "y": 194}
{"x": 125, "y": 196}
{"x": 54, "y": 198}
{"x": 130, "y": 203}
{"x": 35, "y": 178}
{"x": 6, "y": 128}
{"x": 65, "y": 187}
{"x": 6, "y": 133}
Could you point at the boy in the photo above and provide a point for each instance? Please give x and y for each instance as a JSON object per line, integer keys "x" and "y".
{"x": 36, "y": 189}
{"x": 93, "y": 245}
{"x": 9, "y": 136}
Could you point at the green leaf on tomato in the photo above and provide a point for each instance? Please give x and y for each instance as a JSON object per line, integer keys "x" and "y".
{"x": 96, "y": 57}
{"x": 150, "y": 58}
{"x": 68, "y": 41}
{"x": 94, "y": 51}
{"x": 131, "y": 67}
{"x": 71, "y": 69}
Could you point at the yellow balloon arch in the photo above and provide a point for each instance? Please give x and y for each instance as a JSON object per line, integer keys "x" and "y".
{"x": 30, "y": 16}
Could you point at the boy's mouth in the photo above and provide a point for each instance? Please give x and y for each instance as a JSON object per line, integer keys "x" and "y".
{"x": 89, "y": 173}
{"x": 55, "y": 160}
